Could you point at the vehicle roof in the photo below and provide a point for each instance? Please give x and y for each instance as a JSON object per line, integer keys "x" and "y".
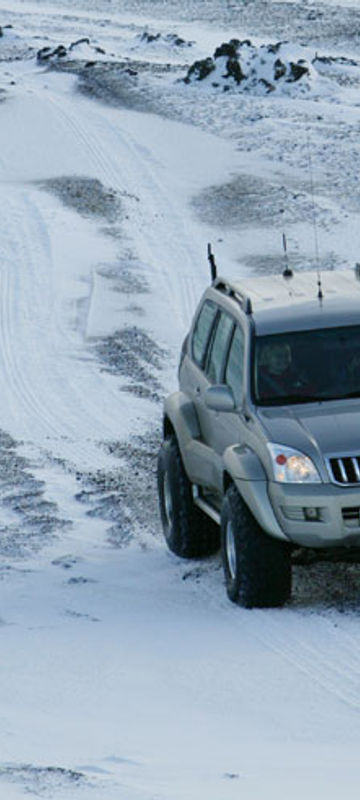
{"x": 279, "y": 304}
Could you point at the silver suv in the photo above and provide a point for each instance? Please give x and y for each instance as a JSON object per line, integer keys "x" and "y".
{"x": 261, "y": 445}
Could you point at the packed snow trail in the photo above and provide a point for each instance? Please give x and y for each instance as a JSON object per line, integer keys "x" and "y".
{"x": 55, "y": 393}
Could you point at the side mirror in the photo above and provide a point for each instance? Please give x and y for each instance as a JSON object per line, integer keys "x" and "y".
{"x": 219, "y": 398}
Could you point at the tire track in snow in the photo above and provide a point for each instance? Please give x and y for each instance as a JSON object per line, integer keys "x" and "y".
{"x": 11, "y": 296}
{"x": 136, "y": 171}
{"x": 55, "y": 416}
{"x": 10, "y": 304}
{"x": 38, "y": 387}
{"x": 116, "y": 156}
{"x": 329, "y": 658}
{"x": 325, "y": 653}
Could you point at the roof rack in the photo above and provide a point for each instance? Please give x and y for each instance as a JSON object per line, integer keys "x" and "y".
{"x": 243, "y": 299}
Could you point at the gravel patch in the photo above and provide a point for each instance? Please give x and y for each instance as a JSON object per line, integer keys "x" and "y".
{"x": 252, "y": 201}
{"x": 88, "y": 196}
{"x": 133, "y": 353}
{"x": 271, "y": 265}
{"x": 42, "y": 781}
{"x": 28, "y": 521}
{"x": 322, "y": 586}
{"x": 123, "y": 279}
{"x": 127, "y": 497}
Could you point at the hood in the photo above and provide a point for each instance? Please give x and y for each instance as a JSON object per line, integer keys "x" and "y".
{"x": 323, "y": 429}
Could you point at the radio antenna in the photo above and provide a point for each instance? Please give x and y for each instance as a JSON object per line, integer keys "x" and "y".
{"x": 287, "y": 272}
{"x": 212, "y": 262}
{"x": 320, "y": 292}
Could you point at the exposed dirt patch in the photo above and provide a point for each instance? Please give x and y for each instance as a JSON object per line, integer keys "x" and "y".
{"x": 127, "y": 498}
{"x": 42, "y": 781}
{"x": 88, "y": 196}
{"x": 327, "y": 585}
{"x": 133, "y": 353}
{"x": 124, "y": 279}
{"x": 272, "y": 265}
{"x": 28, "y": 521}
{"x": 252, "y": 201}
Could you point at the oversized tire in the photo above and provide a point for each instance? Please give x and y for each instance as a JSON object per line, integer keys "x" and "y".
{"x": 188, "y": 531}
{"x": 257, "y": 567}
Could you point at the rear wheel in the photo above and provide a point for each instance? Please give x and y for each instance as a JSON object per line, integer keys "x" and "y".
{"x": 188, "y": 531}
{"x": 257, "y": 567}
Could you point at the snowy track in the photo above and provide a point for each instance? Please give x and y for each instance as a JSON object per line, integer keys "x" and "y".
{"x": 126, "y": 673}
{"x": 43, "y": 343}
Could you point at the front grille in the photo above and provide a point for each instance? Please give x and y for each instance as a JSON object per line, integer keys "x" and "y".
{"x": 345, "y": 470}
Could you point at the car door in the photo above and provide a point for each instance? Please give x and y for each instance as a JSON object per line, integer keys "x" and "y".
{"x": 225, "y": 366}
{"x": 193, "y": 382}
{"x": 218, "y": 429}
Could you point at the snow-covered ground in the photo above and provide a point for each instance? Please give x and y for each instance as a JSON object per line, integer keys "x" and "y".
{"x": 125, "y": 672}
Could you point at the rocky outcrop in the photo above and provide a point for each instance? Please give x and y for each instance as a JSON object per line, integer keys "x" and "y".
{"x": 241, "y": 64}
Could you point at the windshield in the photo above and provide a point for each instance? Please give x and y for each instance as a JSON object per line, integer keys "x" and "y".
{"x": 307, "y": 366}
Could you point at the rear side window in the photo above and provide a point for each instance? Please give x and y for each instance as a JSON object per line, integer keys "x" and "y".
{"x": 219, "y": 348}
{"x": 234, "y": 373}
{"x": 202, "y": 331}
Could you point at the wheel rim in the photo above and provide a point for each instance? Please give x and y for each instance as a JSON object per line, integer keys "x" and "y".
{"x": 230, "y": 550}
{"x": 168, "y": 503}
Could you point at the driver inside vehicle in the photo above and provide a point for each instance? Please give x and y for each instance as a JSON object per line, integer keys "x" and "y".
{"x": 276, "y": 374}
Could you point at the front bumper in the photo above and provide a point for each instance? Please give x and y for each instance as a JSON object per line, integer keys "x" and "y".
{"x": 336, "y": 511}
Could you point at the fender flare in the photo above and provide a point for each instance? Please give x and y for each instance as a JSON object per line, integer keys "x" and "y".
{"x": 246, "y": 471}
{"x": 243, "y": 464}
{"x": 181, "y": 413}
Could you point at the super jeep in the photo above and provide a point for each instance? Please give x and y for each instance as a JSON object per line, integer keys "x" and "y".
{"x": 261, "y": 447}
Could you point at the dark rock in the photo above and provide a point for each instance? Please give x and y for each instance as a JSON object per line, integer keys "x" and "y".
{"x": 297, "y": 71}
{"x": 150, "y": 37}
{"x": 170, "y": 38}
{"x": 234, "y": 70}
{"x": 46, "y": 53}
{"x": 274, "y": 48}
{"x": 279, "y": 69}
{"x": 200, "y": 70}
{"x": 268, "y": 86}
{"x": 329, "y": 60}
{"x": 85, "y": 40}
{"x": 178, "y": 41}
{"x": 60, "y": 52}
{"x": 229, "y": 49}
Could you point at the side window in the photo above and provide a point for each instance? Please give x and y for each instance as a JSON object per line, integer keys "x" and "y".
{"x": 234, "y": 372}
{"x": 202, "y": 331}
{"x": 219, "y": 347}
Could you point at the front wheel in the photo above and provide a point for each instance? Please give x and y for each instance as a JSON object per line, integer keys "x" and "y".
{"x": 188, "y": 531}
{"x": 257, "y": 567}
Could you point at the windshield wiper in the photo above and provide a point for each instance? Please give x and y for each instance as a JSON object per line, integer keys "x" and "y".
{"x": 291, "y": 399}
{"x": 348, "y": 395}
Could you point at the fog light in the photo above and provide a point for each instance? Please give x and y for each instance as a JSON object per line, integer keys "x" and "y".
{"x": 312, "y": 514}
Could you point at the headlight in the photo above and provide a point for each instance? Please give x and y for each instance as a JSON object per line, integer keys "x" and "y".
{"x": 291, "y": 466}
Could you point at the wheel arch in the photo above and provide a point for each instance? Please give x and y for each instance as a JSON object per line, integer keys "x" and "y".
{"x": 180, "y": 419}
{"x": 168, "y": 428}
{"x": 243, "y": 468}
{"x": 227, "y": 481}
